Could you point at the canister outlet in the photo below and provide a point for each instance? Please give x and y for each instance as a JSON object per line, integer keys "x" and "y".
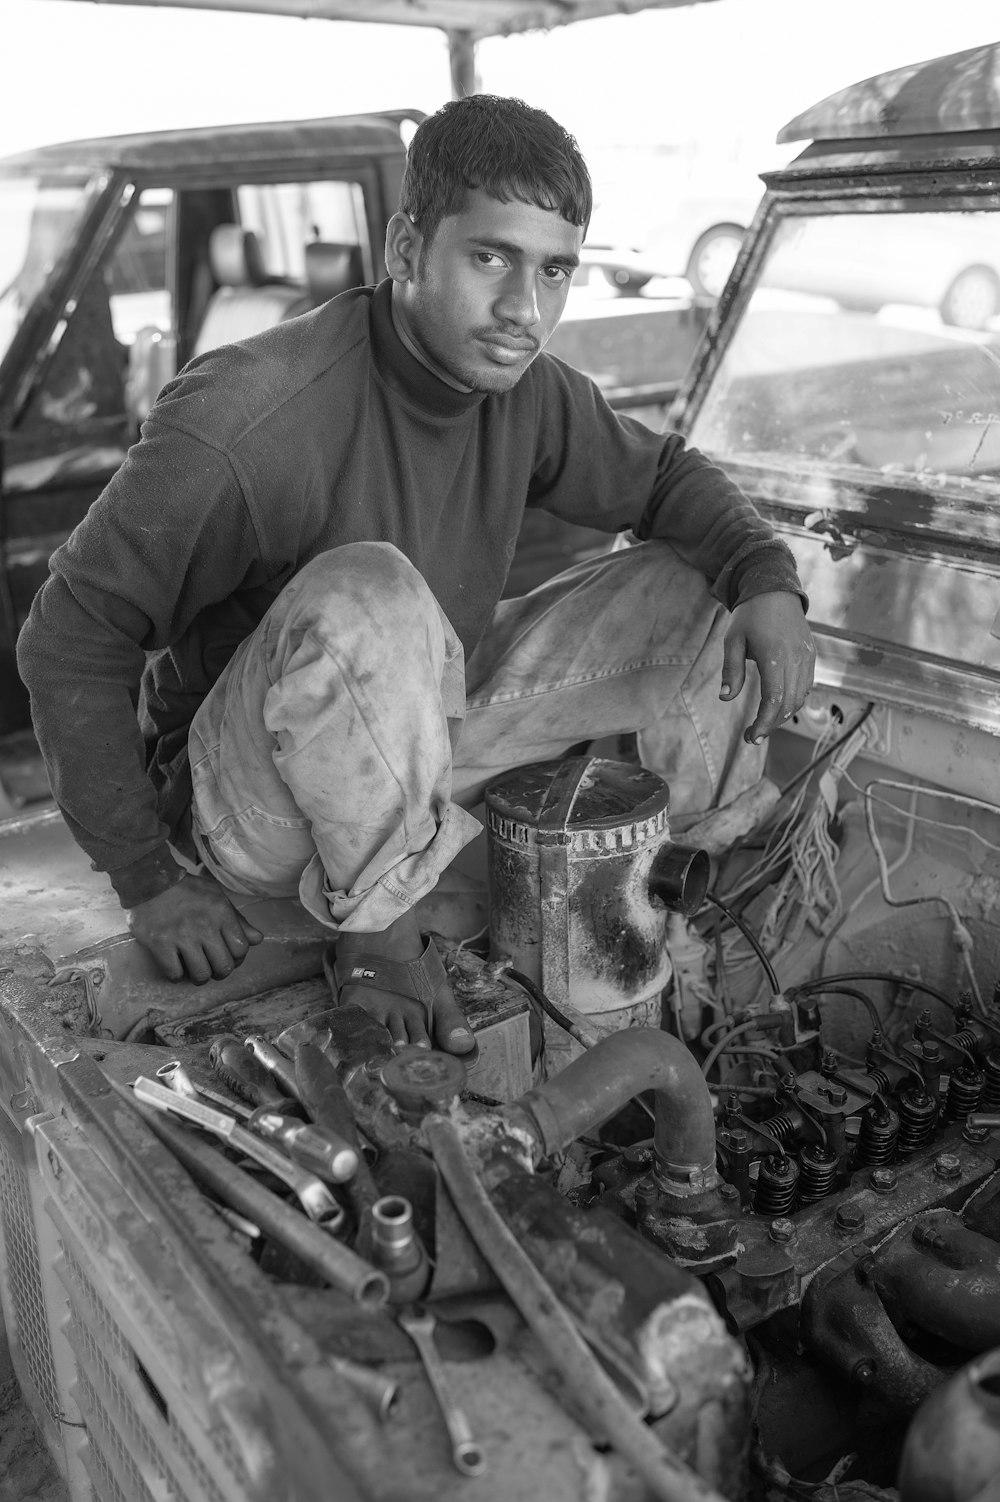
{"x": 582, "y": 876}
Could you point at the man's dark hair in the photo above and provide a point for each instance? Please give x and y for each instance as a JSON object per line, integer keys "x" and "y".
{"x": 501, "y": 146}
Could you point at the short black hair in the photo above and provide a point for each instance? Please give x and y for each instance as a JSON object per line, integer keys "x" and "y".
{"x": 501, "y": 146}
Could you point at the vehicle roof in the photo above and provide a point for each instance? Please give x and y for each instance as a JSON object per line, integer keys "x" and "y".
{"x": 173, "y": 150}
{"x": 959, "y": 92}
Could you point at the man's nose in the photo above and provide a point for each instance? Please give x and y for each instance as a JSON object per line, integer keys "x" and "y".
{"x": 518, "y": 301}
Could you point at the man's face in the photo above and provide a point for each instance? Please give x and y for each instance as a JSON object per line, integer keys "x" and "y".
{"x": 483, "y": 297}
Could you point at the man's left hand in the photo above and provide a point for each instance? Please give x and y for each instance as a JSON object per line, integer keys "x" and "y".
{"x": 770, "y": 630}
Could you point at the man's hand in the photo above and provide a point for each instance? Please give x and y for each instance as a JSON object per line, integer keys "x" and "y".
{"x": 193, "y": 929}
{"x": 771, "y": 631}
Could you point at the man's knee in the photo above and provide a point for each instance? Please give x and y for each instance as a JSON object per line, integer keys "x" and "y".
{"x": 372, "y": 577}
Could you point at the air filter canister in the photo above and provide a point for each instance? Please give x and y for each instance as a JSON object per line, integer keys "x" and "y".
{"x": 575, "y": 849}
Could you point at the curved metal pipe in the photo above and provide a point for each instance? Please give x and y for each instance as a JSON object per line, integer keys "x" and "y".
{"x": 609, "y": 1075}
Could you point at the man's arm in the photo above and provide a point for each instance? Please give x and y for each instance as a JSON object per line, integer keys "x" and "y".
{"x": 605, "y": 471}
{"x": 168, "y": 536}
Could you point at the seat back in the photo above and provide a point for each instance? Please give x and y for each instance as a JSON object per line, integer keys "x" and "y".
{"x": 332, "y": 268}
{"x": 246, "y": 302}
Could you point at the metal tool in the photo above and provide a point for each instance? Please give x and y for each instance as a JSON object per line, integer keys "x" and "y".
{"x": 176, "y": 1077}
{"x": 273, "y": 1060}
{"x": 313, "y": 1195}
{"x": 466, "y": 1455}
{"x": 246, "y": 1075}
{"x": 311, "y": 1146}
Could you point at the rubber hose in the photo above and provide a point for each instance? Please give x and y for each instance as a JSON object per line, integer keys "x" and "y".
{"x": 668, "y": 1477}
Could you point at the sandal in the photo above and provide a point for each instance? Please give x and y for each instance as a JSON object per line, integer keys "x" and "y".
{"x": 421, "y": 980}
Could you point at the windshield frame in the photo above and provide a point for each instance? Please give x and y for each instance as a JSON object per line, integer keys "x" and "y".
{"x": 948, "y": 515}
{"x": 38, "y": 332}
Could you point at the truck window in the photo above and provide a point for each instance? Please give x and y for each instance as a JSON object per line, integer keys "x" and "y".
{"x": 288, "y": 216}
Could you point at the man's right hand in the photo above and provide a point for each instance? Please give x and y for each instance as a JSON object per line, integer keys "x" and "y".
{"x": 192, "y": 929}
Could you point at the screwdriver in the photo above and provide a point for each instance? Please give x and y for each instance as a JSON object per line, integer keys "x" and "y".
{"x": 323, "y": 1152}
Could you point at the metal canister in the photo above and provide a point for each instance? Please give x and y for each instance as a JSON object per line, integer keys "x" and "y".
{"x": 582, "y": 875}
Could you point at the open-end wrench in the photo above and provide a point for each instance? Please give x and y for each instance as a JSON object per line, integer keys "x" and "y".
{"x": 467, "y": 1457}
{"x": 313, "y": 1195}
{"x": 174, "y": 1075}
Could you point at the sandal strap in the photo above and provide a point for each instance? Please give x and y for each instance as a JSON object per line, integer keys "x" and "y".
{"x": 418, "y": 980}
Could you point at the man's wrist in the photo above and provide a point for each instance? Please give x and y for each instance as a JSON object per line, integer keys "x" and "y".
{"x": 146, "y": 877}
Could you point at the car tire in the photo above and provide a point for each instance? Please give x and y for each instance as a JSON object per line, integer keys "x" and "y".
{"x": 972, "y": 300}
{"x": 712, "y": 257}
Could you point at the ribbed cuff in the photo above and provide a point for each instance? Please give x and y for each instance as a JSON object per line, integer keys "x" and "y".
{"x": 147, "y": 877}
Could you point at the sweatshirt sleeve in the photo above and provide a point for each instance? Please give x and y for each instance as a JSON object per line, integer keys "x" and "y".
{"x": 603, "y": 470}
{"x": 169, "y": 536}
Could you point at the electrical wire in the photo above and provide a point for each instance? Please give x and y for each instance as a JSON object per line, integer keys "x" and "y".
{"x": 825, "y": 755}
{"x": 720, "y": 1047}
{"x": 751, "y": 939}
{"x": 885, "y": 976}
{"x": 962, "y": 936}
{"x": 832, "y": 990}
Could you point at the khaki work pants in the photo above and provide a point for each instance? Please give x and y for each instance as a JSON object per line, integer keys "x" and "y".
{"x": 339, "y": 754}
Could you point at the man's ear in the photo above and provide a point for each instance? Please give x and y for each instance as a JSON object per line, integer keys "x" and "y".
{"x": 402, "y": 247}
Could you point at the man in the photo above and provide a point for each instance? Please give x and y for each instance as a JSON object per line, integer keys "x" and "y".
{"x": 295, "y": 576}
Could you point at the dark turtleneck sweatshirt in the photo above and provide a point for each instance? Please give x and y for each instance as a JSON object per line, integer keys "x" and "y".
{"x": 260, "y": 455}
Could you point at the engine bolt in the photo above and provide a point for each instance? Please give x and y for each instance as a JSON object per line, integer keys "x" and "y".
{"x": 974, "y": 1131}
{"x": 645, "y": 1195}
{"x": 947, "y": 1166}
{"x": 849, "y": 1218}
{"x": 782, "y": 1231}
{"x": 737, "y": 1140}
{"x": 728, "y": 1192}
{"x": 883, "y": 1180}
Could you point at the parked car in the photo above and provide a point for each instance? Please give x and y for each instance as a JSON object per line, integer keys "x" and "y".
{"x": 699, "y": 235}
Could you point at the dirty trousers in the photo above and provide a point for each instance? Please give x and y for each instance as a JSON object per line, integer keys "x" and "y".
{"x": 339, "y": 754}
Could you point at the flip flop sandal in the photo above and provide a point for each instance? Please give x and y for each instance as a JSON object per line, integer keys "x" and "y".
{"x": 421, "y": 980}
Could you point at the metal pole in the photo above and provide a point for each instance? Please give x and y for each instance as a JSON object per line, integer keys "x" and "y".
{"x": 462, "y": 56}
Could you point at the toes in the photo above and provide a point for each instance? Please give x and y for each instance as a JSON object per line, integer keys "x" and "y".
{"x": 452, "y": 1031}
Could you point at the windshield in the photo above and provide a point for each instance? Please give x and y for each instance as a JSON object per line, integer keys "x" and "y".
{"x": 36, "y": 225}
{"x": 870, "y": 345}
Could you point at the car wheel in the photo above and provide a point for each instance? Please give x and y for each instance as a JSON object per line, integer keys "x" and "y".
{"x": 712, "y": 258}
{"x": 972, "y": 299}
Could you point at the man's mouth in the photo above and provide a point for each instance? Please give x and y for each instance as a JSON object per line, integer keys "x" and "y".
{"x": 509, "y": 346}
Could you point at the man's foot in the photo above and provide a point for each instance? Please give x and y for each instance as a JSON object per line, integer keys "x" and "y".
{"x": 398, "y": 978}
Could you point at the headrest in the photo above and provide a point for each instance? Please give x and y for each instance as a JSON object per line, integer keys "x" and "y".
{"x": 235, "y": 258}
{"x": 332, "y": 268}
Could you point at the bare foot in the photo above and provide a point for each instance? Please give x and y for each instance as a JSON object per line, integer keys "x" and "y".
{"x": 437, "y": 1024}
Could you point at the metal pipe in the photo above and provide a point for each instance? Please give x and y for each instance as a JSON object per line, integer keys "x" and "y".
{"x": 616, "y": 1069}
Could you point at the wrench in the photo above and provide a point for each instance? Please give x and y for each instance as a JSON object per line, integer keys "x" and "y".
{"x": 466, "y": 1455}
{"x": 313, "y": 1195}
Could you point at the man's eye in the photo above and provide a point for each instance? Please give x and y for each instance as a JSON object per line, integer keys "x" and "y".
{"x": 489, "y": 258}
{"x": 556, "y": 275}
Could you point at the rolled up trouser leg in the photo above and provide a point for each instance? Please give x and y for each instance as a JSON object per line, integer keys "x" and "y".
{"x": 321, "y": 760}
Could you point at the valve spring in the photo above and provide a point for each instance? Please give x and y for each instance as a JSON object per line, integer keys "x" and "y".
{"x": 965, "y": 1089}
{"x": 878, "y": 1136}
{"x": 817, "y": 1171}
{"x": 777, "y": 1179}
{"x": 918, "y": 1113}
{"x": 991, "y": 1091}
{"x": 969, "y": 1040}
{"x": 782, "y": 1127}
{"x": 879, "y": 1079}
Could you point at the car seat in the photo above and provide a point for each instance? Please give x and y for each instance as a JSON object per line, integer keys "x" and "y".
{"x": 246, "y": 301}
{"x": 332, "y": 268}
